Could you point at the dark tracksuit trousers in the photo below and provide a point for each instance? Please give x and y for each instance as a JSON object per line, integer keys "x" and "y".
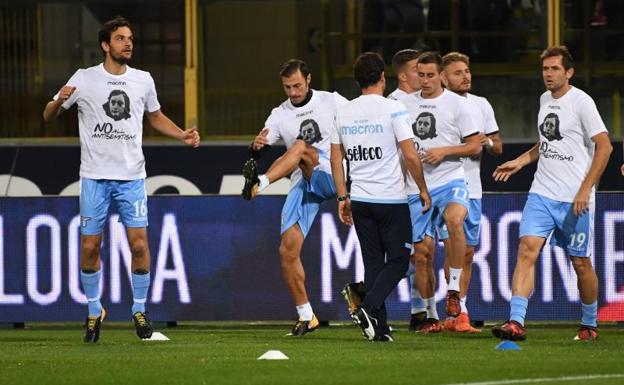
{"x": 385, "y": 235}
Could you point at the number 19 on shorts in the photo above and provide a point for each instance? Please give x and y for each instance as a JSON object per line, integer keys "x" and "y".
{"x": 577, "y": 240}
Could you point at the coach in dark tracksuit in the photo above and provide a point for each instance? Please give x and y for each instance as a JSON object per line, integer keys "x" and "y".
{"x": 371, "y": 132}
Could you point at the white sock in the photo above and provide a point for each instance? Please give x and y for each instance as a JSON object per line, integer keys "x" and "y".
{"x": 418, "y": 303}
{"x": 462, "y": 303}
{"x": 432, "y": 311}
{"x": 454, "y": 275}
{"x": 264, "y": 182}
{"x": 305, "y": 312}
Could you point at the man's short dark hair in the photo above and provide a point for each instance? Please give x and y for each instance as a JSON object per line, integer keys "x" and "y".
{"x": 559, "y": 50}
{"x": 290, "y": 67}
{"x": 431, "y": 58}
{"x": 368, "y": 68}
{"x": 400, "y": 59}
{"x": 109, "y": 27}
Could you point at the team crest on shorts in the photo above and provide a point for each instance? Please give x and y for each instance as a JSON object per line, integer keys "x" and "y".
{"x": 84, "y": 221}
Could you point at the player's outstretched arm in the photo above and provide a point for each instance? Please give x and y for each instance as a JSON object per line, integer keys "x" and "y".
{"x": 492, "y": 144}
{"x": 598, "y": 165}
{"x": 344, "y": 203}
{"x": 165, "y": 126}
{"x": 54, "y": 108}
{"x": 412, "y": 161}
{"x": 507, "y": 169}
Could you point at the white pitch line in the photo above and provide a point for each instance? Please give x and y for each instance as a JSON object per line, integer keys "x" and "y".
{"x": 546, "y": 379}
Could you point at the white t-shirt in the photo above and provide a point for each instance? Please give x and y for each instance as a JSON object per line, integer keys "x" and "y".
{"x": 485, "y": 122}
{"x": 312, "y": 122}
{"x": 369, "y": 129}
{"x": 110, "y": 121}
{"x": 396, "y": 94}
{"x": 566, "y": 126}
{"x": 439, "y": 122}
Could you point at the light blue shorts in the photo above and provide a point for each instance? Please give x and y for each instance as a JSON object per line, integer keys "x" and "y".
{"x": 471, "y": 224}
{"x": 128, "y": 197}
{"x": 304, "y": 200}
{"x": 541, "y": 216}
{"x": 455, "y": 191}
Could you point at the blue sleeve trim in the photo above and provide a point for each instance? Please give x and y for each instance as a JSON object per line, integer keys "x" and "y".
{"x": 395, "y": 114}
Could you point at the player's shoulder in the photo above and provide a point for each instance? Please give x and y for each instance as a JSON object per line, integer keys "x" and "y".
{"x": 545, "y": 97}
{"x": 480, "y": 101}
{"x": 409, "y": 99}
{"x": 477, "y": 99}
{"x": 370, "y": 104}
{"x": 396, "y": 94}
{"x": 452, "y": 97}
{"x": 324, "y": 94}
{"x": 139, "y": 75}
{"x": 330, "y": 97}
{"x": 280, "y": 110}
{"x": 578, "y": 95}
{"x": 89, "y": 71}
{"x": 455, "y": 102}
{"x": 394, "y": 105}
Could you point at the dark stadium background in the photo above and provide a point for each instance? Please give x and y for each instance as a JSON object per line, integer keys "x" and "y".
{"x": 221, "y": 73}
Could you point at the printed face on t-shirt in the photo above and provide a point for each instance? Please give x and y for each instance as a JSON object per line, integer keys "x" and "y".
{"x": 424, "y": 126}
{"x": 310, "y": 132}
{"x": 118, "y": 105}
{"x": 550, "y": 127}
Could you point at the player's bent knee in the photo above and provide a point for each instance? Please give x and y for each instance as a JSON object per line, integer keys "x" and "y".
{"x": 299, "y": 147}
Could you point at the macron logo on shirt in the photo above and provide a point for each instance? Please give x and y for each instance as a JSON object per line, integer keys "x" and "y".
{"x": 362, "y": 129}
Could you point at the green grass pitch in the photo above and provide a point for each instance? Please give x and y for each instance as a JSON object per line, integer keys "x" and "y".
{"x": 226, "y": 353}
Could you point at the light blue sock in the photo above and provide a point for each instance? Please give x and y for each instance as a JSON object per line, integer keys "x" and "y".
{"x": 91, "y": 286}
{"x": 518, "y": 309}
{"x": 417, "y": 303}
{"x": 590, "y": 314}
{"x": 140, "y": 286}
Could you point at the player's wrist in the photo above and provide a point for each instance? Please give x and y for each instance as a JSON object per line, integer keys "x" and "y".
{"x": 254, "y": 152}
{"x": 342, "y": 198}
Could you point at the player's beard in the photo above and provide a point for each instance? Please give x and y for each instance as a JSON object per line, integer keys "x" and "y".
{"x": 465, "y": 88}
{"x": 120, "y": 59}
{"x": 462, "y": 89}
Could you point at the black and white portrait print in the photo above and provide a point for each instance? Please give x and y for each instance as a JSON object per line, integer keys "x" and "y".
{"x": 425, "y": 126}
{"x": 550, "y": 127}
{"x": 310, "y": 132}
{"x": 118, "y": 105}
